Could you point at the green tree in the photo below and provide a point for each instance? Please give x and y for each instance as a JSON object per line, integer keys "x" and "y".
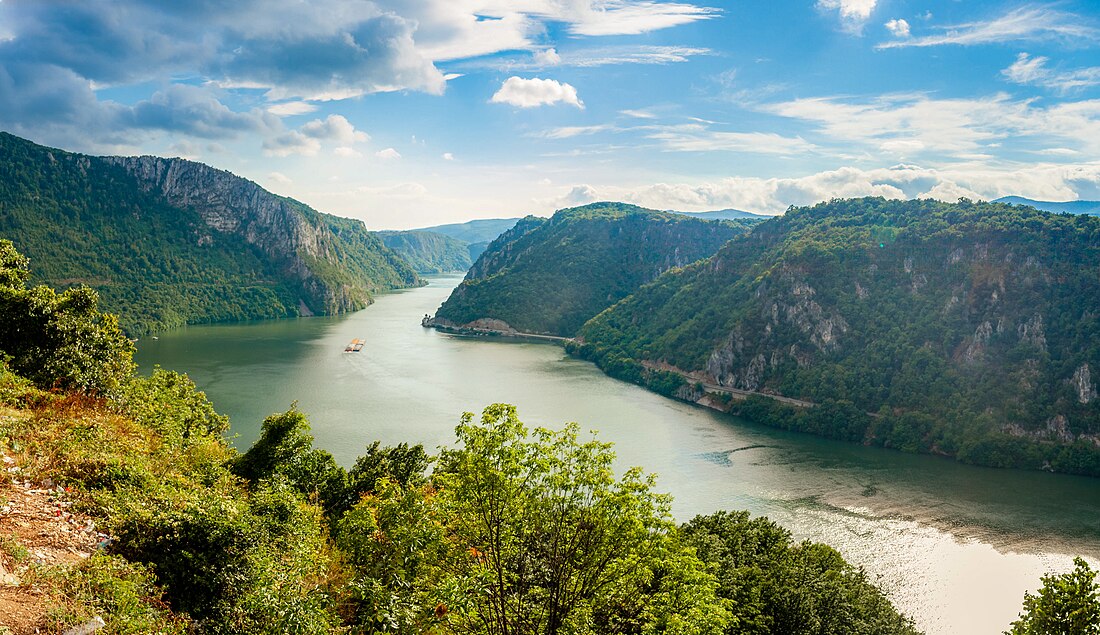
{"x": 558, "y": 544}
{"x": 1067, "y": 604}
{"x": 59, "y": 340}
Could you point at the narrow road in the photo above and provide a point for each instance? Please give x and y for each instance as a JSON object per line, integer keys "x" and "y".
{"x": 732, "y": 391}
{"x": 742, "y": 394}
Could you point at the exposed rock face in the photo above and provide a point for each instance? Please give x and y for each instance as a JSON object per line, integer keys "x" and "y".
{"x": 290, "y": 233}
{"x": 1082, "y": 381}
{"x": 744, "y": 360}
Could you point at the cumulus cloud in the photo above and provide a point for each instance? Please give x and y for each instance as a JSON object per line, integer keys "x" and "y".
{"x": 307, "y": 139}
{"x": 772, "y": 196}
{"x": 336, "y": 128}
{"x": 898, "y": 27}
{"x": 447, "y": 156}
{"x": 529, "y": 93}
{"x": 853, "y": 13}
{"x": 1027, "y": 23}
{"x": 289, "y": 143}
{"x": 387, "y": 154}
{"x": 280, "y": 178}
{"x": 1034, "y": 70}
{"x": 546, "y": 57}
{"x": 347, "y": 152}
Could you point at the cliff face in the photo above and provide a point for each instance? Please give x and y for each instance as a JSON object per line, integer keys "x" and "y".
{"x": 548, "y": 276}
{"x": 429, "y": 252}
{"x": 300, "y": 240}
{"x": 168, "y": 242}
{"x": 963, "y": 326}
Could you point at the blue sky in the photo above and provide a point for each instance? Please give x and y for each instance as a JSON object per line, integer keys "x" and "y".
{"x": 408, "y": 113}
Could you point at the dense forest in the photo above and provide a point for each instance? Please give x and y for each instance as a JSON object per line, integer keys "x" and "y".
{"x": 182, "y": 243}
{"x": 429, "y": 252}
{"x": 970, "y": 330}
{"x": 549, "y": 276}
{"x": 512, "y": 531}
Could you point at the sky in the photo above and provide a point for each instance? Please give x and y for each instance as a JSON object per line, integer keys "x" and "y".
{"x": 410, "y": 113}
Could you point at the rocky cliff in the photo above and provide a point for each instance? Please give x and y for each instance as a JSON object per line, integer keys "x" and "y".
{"x": 336, "y": 263}
{"x": 168, "y": 242}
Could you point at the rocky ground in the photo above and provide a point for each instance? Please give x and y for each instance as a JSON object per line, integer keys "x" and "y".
{"x": 38, "y": 533}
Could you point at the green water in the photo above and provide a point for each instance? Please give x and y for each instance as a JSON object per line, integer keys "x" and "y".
{"x": 956, "y": 546}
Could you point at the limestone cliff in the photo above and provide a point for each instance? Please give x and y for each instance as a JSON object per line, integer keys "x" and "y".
{"x": 336, "y": 262}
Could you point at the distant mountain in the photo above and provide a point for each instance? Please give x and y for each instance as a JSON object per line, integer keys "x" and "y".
{"x": 429, "y": 252}
{"x": 969, "y": 330}
{"x": 169, "y": 242}
{"x": 721, "y": 214}
{"x": 1091, "y": 208}
{"x": 475, "y": 231}
{"x": 549, "y": 276}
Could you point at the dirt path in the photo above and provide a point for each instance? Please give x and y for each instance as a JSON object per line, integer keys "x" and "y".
{"x": 736, "y": 393}
{"x": 37, "y": 529}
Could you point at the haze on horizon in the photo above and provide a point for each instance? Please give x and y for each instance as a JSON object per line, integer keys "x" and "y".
{"x": 410, "y": 114}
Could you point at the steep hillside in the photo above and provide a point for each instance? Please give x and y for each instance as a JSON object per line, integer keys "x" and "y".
{"x": 429, "y": 252}
{"x": 169, "y": 242}
{"x": 722, "y": 214}
{"x": 971, "y": 330}
{"x": 1069, "y": 207}
{"x": 551, "y": 275}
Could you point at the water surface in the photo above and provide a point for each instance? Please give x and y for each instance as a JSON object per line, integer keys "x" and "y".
{"x": 956, "y": 546}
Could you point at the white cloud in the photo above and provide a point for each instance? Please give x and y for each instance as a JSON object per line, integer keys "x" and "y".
{"x": 1029, "y": 23}
{"x": 698, "y": 138}
{"x": 567, "y": 132}
{"x": 638, "y": 114}
{"x": 898, "y": 27}
{"x": 280, "y": 178}
{"x": 334, "y": 128}
{"x": 447, "y": 156}
{"x": 347, "y": 152}
{"x": 899, "y": 126}
{"x": 596, "y": 56}
{"x": 1034, "y": 70}
{"x": 629, "y": 17}
{"x": 853, "y": 13}
{"x": 307, "y": 139}
{"x": 772, "y": 196}
{"x": 547, "y": 57}
{"x": 289, "y": 143}
{"x": 290, "y": 108}
{"x": 387, "y": 154}
{"x": 529, "y": 93}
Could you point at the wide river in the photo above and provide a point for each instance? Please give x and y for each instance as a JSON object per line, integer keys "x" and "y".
{"x": 955, "y": 546}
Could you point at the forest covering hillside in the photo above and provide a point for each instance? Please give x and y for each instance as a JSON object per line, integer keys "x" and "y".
{"x": 549, "y": 276}
{"x": 168, "y": 242}
{"x": 970, "y": 329}
{"x": 429, "y": 252}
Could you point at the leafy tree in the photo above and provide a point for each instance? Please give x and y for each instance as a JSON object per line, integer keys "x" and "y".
{"x": 777, "y": 587}
{"x": 59, "y": 340}
{"x": 558, "y": 544}
{"x": 1067, "y": 604}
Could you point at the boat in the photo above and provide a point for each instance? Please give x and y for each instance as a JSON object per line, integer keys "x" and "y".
{"x": 355, "y": 346}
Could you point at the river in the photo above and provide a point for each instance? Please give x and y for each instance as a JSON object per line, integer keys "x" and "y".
{"x": 955, "y": 546}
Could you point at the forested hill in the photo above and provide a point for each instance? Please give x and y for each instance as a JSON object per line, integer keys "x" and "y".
{"x": 970, "y": 329}
{"x": 429, "y": 252}
{"x": 168, "y": 242}
{"x": 551, "y": 275}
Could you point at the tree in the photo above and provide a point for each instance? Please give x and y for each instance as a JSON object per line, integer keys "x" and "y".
{"x": 1067, "y": 604}
{"x": 59, "y": 340}
{"x": 559, "y": 545}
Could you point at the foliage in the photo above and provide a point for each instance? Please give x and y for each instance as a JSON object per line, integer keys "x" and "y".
{"x": 56, "y": 339}
{"x": 86, "y": 221}
{"x": 967, "y": 329}
{"x": 556, "y": 544}
{"x": 429, "y": 252}
{"x": 1068, "y": 603}
{"x": 775, "y": 586}
{"x": 550, "y": 276}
